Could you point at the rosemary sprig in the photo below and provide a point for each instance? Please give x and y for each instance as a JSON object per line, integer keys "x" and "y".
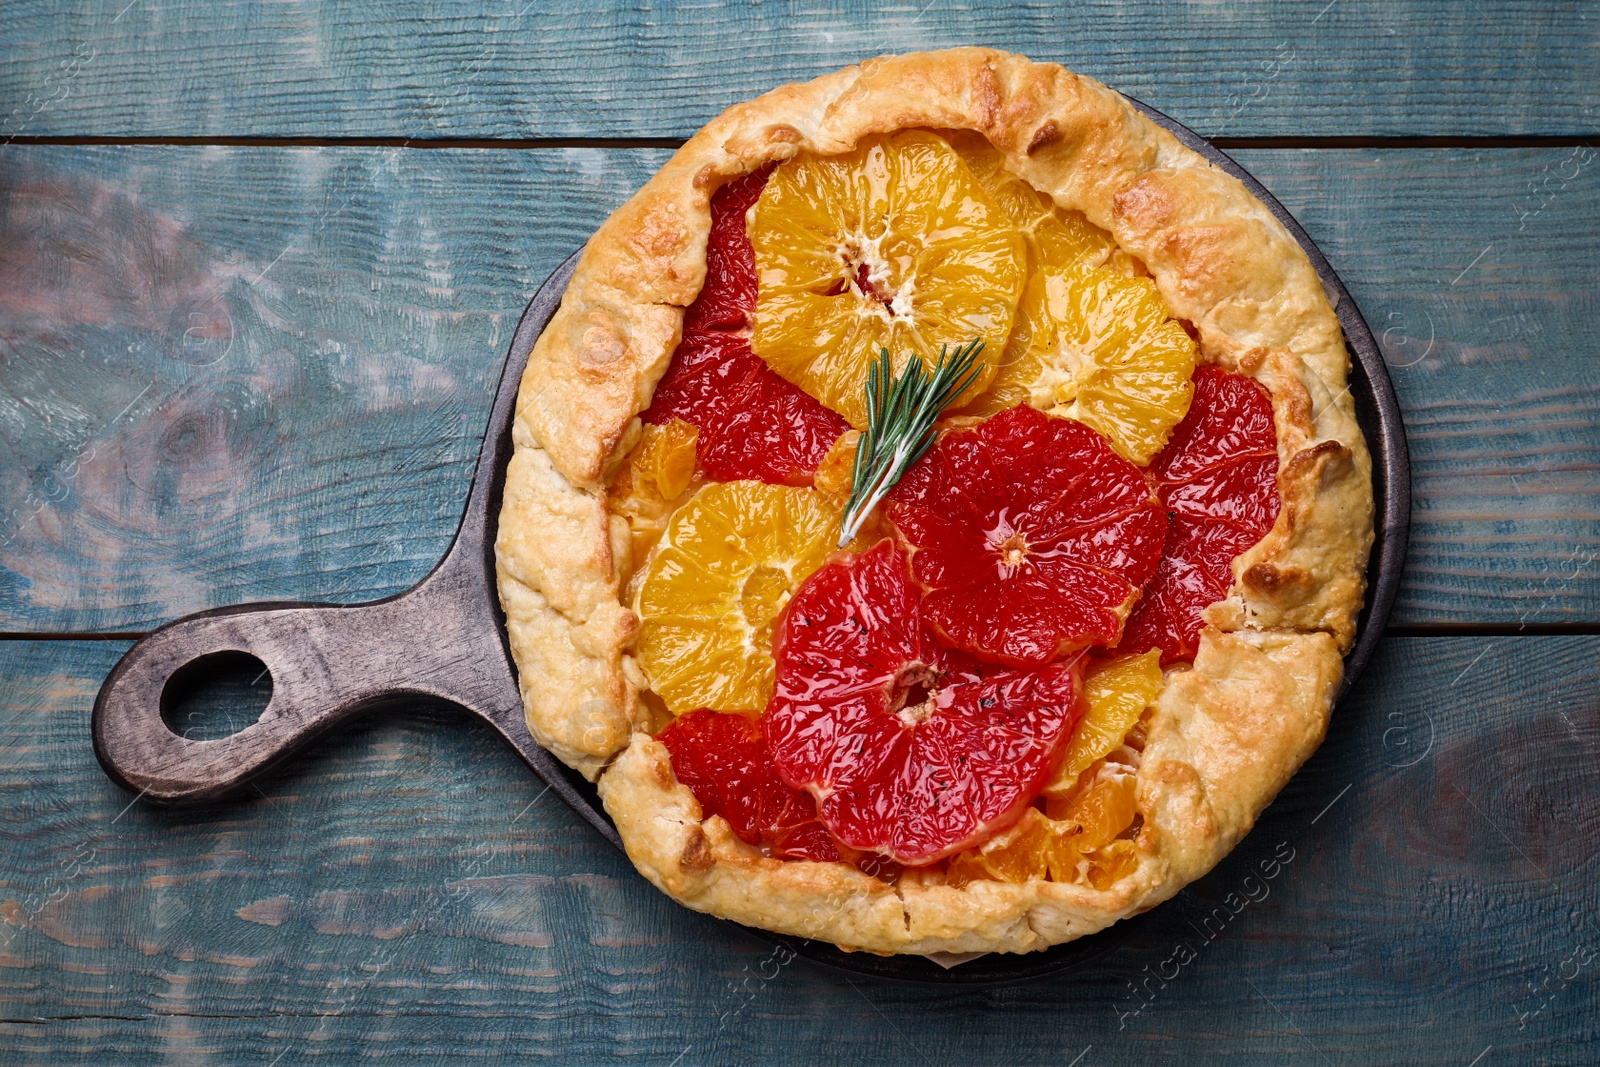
{"x": 900, "y": 417}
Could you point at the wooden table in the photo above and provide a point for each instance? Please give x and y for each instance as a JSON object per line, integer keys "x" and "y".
{"x": 259, "y": 265}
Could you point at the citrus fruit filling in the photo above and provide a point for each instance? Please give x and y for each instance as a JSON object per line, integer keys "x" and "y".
{"x": 1030, "y": 537}
{"x": 725, "y": 567}
{"x": 892, "y": 245}
{"x": 1084, "y": 834}
{"x": 1083, "y": 845}
{"x": 1110, "y": 356}
{"x": 751, "y": 423}
{"x": 724, "y": 761}
{"x": 1055, "y": 236}
{"x": 658, "y": 473}
{"x": 1116, "y": 693}
{"x": 911, "y": 751}
{"x": 972, "y": 690}
{"x": 1219, "y": 479}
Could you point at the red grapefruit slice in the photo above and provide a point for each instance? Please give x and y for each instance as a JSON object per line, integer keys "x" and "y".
{"x": 724, "y": 761}
{"x": 1030, "y": 536}
{"x": 1218, "y": 476}
{"x": 913, "y": 751}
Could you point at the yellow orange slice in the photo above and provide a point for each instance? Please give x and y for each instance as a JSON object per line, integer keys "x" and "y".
{"x": 727, "y": 564}
{"x": 893, "y": 244}
{"x": 1078, "y": 844}
{"x": 1092, "y": 342}
{"x": 659, "y": 471}
{"x": 1111, "y": 356}
{"x": 1057, "y": 236}
{"x": 1054, "y": 235}
{"x": 1117, "y": 692}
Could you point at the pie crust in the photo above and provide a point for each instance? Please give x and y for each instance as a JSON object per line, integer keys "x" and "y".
{"x": 1226, "y": 734}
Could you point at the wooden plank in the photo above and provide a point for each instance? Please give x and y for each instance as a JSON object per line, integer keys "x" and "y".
{"x": 238, "y": 374}
{"x": 428, "y": 69}
{"x": 1428, "y": 880}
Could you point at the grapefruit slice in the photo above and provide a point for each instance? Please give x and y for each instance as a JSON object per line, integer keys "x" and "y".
{"x": 1029, "y": 535}
{"x": 728, "y": 295}
{"x": 729, "y": 560}
{"x": 751, "y": 423}
{"x": 911, "y": 751}
{"x": 892, "y": 245}
{"x": 1219, "y": 478}
{"x": 725, "y": 763}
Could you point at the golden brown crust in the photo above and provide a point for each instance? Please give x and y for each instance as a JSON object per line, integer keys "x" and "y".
{"x": 1227, "y": 733}
{"x": 1224, "y": 738}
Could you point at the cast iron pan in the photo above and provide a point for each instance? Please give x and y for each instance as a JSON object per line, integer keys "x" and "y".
{"x": 444, "y": 640}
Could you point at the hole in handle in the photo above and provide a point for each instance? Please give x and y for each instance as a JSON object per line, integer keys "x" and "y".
{"x": 216, "y": 695}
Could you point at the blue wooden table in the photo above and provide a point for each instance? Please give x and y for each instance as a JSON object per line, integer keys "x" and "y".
{"x": 259, "y": 265}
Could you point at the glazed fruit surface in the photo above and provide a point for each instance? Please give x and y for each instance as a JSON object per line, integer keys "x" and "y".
{"x": 926, "y": 700}
{"x": 913, "y": 751}
{"x": 724, "y": 760}
{"x": 1031, "y": 537}
{"x": 1219, "y": 479}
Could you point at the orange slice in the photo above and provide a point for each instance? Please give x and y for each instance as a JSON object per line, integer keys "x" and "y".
{"x": 1091, "y": 342}
{"x": 659, "y": 470}
{"x": 1111, "y": 357}
{"x": 1056, "y": 236}
{"x": 1080, "y": 844}
{"x": 727, "y": 564}
{"x": 1117, "y": 691}
{"x": 891, "y": 245}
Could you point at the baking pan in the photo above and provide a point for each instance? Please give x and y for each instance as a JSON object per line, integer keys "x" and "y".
{"x": 444, "y": 640}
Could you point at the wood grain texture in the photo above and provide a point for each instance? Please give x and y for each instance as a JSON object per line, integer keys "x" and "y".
{"x": 241, "y": 374}
{"x": 1425, "y": 888}
{"x": 427, "y": 69}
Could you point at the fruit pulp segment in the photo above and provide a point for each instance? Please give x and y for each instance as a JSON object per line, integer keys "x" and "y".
{"x": 731, "y": 557}
{"x": 725, "y": 763}
{"x": 752, "y": 423}
{"x": 911, "y": 750}
{"x": 1219, "y": 478}
{"x": 1029, "y": 535}
{"x": 892, "y": 245}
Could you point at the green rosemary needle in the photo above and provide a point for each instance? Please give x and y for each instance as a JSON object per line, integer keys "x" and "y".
{"x": 900, "y": 417}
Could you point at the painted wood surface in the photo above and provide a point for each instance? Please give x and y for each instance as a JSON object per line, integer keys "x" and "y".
{"x": 525, "y": 69}
{"x": 1425, "y": 889}
{"x": 237, "y": 374}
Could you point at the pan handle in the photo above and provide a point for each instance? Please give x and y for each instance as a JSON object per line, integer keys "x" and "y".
{"x": 438, "y": 641}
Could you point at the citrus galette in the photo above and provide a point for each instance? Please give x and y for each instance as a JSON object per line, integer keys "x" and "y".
{"x": 938, "y": 513}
